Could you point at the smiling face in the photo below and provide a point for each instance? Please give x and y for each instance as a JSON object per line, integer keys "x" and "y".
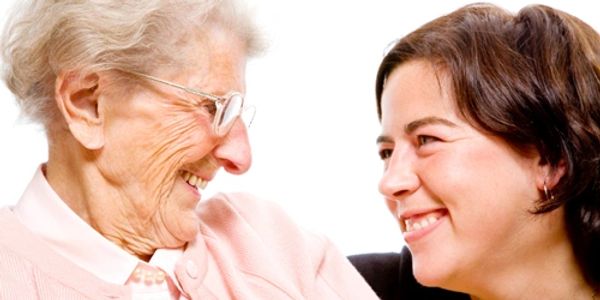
{"x": 462, "y": 198}
{"x": 160, "y": 147}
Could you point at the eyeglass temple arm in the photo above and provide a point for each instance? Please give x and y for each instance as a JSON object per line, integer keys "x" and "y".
{"x": 175, "y": 85}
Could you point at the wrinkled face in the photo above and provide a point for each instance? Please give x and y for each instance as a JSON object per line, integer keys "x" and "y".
{"x": 160, "y": 146}
{"x": 461, "y": 197}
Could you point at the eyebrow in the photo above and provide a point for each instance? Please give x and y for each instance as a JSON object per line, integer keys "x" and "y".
{"x": 384, "y": 139}
{"x": 416, "y": 124}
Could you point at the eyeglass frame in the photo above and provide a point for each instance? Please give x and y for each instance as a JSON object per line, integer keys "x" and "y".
{"x": 221, "y": 102}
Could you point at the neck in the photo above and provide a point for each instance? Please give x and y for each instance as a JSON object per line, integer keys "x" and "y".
{"x": 533, "y": 288}
{"x": 544, "y": 271}
{"x": 73, "y": 175}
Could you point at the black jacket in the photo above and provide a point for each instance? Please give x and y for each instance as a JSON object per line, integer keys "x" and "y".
{"x": 390, "y": 276}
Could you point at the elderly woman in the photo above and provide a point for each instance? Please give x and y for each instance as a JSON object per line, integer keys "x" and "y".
{"x": 491, "y": 146}
{"x": 141, "y": 103}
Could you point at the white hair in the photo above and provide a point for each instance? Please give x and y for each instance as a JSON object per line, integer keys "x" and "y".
{"x": 44, "y": 37}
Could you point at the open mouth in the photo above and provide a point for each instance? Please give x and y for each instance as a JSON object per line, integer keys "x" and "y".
{"x": 194, "y": 180}
{"x": 421, "y": 221}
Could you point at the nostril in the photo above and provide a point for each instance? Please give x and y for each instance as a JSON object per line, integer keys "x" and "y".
{"x": 230, "y": 167}
{"x": 237, "y": 166}
{"x": 398, "y": 194}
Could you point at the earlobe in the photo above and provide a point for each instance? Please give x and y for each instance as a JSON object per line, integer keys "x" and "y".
{"x": 78, "y": 99}
{"x": 549, "y": 176}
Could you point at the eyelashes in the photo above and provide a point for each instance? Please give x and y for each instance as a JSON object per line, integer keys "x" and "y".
{"x": 209, "y": 106}
{"x": 420, "y": 141}
{"x": 384, "y": 154}
{"x": 423, "y": 140}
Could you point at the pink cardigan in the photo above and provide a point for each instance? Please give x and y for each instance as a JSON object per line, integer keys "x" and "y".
{"x": 259, "y": 252}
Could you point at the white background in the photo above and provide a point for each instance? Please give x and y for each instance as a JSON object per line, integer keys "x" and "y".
{"x": 314, "y": 133}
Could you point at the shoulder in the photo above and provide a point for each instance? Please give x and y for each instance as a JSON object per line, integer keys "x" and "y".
{"x": 19, "y": 254}
{"x": 242, "y": 205}
{"x": 383, "y": 271}
{"x": 27, "y": 263}
{"x": 244, "y": 212}
{"x": 10, "y": 237}
{"x": 264, "y": 244}
{"x": 17, "y": 241}
{"x": 260, "y": 240}
{"x": 243, "y": 220}
{"x": 14, "y": 237}
{"x": 390, "y": 276}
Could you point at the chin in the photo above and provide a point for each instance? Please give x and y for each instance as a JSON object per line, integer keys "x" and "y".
{"x": 178, "y": 229}
{"x": 430, "y": 274}
{"x": 427, "y": 279}
{"x": 187, "y": 227}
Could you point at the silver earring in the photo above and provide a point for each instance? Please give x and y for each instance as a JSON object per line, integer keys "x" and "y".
{"x": 549, "y": 196}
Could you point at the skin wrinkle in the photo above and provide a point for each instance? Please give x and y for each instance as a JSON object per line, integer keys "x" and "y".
{"x": 138, "y": 224}
{"x": 178, "y": 158}
{"x": 173, "y": 159}
{"x": 188, "y": 143}
{"x": 147, "y": 226}
{"x": 117, "y": 144}
{"x": 166, "y": 150}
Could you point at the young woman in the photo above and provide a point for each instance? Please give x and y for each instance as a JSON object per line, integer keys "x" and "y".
{"x": 491, "y": 145}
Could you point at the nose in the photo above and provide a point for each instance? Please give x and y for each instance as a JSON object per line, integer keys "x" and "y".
{"x": 399, "y": 178}
{"x": 233, "y": 153}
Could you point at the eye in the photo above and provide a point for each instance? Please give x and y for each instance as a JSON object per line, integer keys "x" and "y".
{"x": 384, "y": 154}
{"x": 422, "y": 140}
{"x": 209, "y": 106}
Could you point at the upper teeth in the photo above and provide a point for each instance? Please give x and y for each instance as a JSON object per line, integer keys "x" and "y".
{"x": 193, "y": 180}
{"x": 413, "y": 224}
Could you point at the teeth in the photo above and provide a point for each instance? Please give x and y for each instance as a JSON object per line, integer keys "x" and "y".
{"x": 203, "y": 184}
{"x": 193, "y": 180}
{"x": 414, "y": 224}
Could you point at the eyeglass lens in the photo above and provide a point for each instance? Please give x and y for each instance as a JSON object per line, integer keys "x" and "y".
{"x": 231, "y": 110}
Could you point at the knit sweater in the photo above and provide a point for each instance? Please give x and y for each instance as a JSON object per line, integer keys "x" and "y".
{"x": 260, "y": 254}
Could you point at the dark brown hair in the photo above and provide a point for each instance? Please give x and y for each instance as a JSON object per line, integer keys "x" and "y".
{"x": 532, "y": 79}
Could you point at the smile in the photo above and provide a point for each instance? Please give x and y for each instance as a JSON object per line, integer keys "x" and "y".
{"x": 417, "y": 225}
{"x": 421, "y": 221}
{"x": 194, "y": 180}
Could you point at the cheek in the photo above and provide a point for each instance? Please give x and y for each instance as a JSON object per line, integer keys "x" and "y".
{"x": 480, "y": 183}
{"x": 448, "y": 174}
{"x": 174, "y": 143}
{"x": 150, "y": 143}
{"x": 151, "y": 150}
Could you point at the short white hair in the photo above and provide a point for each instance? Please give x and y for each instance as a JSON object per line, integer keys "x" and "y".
{"x": 43, "y": 37}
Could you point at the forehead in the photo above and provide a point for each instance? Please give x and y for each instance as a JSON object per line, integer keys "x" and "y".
{"x": 416, "y": 89}
{"x": 214, "y": 60}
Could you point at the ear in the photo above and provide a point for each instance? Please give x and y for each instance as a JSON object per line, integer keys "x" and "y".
{"x": 549, "y": 175}
{"x": 77, "y": 98}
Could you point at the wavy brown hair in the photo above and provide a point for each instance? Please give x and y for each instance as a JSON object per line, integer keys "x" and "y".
{"x": 532, "y": 79}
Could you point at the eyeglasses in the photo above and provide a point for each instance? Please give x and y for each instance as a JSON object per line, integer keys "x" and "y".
{"x": 228, "y": 107}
